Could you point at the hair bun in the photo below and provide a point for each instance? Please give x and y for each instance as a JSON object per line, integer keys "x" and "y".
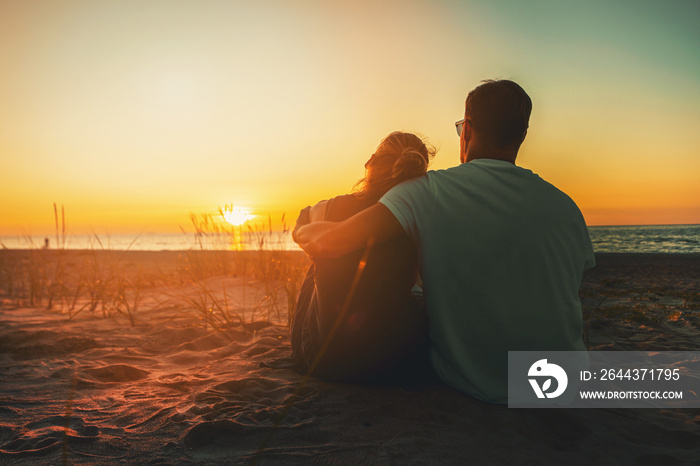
{"x": 410, "y": 164}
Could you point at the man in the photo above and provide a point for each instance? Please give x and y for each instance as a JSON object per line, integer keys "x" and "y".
{"x": 502, "y": 252}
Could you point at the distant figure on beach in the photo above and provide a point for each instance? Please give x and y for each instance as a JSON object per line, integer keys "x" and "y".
{"x": 46, "y": 244}
{"x": 359, "y": 316}
{"x": 502, "y": 252}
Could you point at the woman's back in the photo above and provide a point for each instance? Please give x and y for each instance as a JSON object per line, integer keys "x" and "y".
{"x": 356, "y": 317}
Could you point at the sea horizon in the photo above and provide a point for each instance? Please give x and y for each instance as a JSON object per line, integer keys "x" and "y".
{"x": 679, "y": 239}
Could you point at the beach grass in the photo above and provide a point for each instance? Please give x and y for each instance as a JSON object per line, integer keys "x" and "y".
{"x": 109, "y": 283}
{"x": 106, "y": 283}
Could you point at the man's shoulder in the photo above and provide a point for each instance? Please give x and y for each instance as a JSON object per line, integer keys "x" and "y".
{"x": 470, "y": 172}
{"x": 551, "y": 189}
{"x": 545, "y": 193}
{"x": 406, "y": 197}
{"x": 438, "y": 175}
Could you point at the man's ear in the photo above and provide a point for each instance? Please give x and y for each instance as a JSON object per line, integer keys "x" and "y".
{"x": 466, "y": 135}
{"x": 468, "y": 128}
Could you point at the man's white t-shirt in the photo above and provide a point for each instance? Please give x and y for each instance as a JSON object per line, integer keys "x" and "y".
{"x": 502, "y": 253}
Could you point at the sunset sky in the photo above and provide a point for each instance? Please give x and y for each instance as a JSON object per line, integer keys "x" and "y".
{"x": 132, "y": 114}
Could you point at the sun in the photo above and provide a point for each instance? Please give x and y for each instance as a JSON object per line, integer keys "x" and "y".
{"x": 236, "y": 216}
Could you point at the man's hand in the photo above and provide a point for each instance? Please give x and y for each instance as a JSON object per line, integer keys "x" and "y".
{"x": 330, "y": 239}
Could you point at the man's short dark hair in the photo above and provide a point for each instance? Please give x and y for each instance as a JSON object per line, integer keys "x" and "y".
{"x": 500, "y": 111}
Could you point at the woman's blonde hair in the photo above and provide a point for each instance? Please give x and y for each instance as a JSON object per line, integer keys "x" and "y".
{"x": 399, "y": 157}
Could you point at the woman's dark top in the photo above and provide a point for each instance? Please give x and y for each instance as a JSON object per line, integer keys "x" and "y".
{"x": 379, "y": 328}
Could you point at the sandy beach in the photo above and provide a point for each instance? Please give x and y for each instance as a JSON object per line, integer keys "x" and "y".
{"x": 177, "y": 366}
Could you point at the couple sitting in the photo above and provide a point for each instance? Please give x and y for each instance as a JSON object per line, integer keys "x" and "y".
{"x": 500, "y": 254}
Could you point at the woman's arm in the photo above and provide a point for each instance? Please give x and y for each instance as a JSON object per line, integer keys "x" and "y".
{"x": 318, "y": 212}
{"x": 309, "y": 214}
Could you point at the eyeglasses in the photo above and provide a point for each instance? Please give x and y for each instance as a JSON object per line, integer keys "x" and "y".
{"x": 458, "y": 126}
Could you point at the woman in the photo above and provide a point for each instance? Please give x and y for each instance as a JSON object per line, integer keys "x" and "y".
{"x": 358, "y": 317}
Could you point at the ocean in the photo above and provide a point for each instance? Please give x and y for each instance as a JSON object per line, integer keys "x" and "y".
{"x": 677, "y": 239}
{"x": 275, "y": 240}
